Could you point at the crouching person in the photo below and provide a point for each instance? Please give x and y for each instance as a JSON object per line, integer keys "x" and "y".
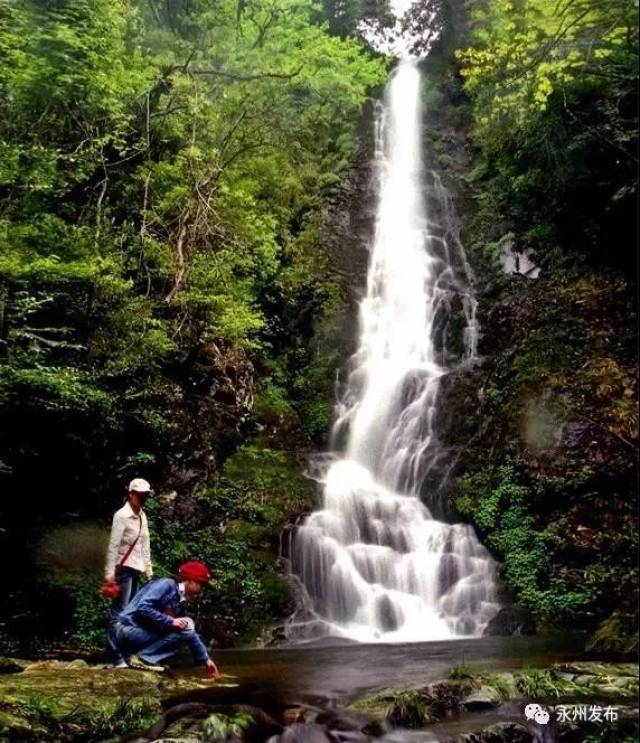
{"x": 153, "y": 625}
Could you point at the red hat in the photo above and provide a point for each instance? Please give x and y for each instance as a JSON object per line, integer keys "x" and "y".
{"x": 194, "y": 570}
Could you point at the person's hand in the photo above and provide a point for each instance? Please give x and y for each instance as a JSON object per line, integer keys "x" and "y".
{"x": 148, "y": 575}
{"x": 181, "y": 623}
{"x": 211, "y": 670}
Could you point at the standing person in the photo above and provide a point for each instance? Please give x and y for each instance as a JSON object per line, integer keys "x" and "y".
{"x": 128, "y": 556}
{"x": 153, "y": 625}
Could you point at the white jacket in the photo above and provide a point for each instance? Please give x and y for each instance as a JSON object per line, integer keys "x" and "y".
{"x": 124, "y": 530}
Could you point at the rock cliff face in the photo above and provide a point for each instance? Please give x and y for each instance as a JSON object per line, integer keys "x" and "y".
{"x": 542, "y": 429}
{"x": 544, "y": 426}
{"x": 213, "y": 402}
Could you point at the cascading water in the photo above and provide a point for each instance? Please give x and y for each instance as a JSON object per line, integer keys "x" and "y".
{"x": 374, "y": 564}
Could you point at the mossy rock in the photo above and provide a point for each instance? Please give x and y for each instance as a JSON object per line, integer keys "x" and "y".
{"x": 486, "y": 697}
{"x": 12, "y": 665}
{"x": 414, "y": 707}
{"x": 586, "y": 668}
{"x": 57, "y": 700}
{"x": 377, "y": 704}
{"x": 410, "y": 709}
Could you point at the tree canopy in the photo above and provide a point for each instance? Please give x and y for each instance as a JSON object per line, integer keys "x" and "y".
{"x": 554, "y": 91}
{"x": 162, "y": 165}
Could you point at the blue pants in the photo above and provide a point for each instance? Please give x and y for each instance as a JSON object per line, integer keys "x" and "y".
{"x": 154, "y": 647}
{"x": 127, "y": 579}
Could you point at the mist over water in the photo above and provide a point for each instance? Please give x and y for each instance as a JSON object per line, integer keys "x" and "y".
{"x": 374, "y": 564}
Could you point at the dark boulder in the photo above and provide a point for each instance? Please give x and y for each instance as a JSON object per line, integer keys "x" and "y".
{"x": 501, "y": 732}
{"x": 511, "y": 620}
{"x": 343, "y": 720}
{"x": 303, "y": 733}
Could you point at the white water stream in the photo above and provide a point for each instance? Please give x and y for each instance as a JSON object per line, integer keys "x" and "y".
{"x": 374, "y": 563}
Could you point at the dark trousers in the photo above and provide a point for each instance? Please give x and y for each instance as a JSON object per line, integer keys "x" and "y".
{"x": 156, "y": 648}
{"x": 127, "y": 579}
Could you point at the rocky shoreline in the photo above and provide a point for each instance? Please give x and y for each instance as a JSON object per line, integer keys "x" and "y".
{"x": 75, "y": 701}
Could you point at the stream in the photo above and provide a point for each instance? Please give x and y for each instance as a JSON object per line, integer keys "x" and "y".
{"x": 337, "y": 674}
{"x": 325, "y": 676}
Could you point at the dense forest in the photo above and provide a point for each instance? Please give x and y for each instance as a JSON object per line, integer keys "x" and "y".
{"x": 163, "y": 170}
{"x": 175, "y": 299}
{"x": 547, "y": 98}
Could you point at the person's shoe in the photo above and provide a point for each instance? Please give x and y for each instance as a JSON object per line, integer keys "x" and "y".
{"x": 142, "y": 665}
{"x": 122, "y": 664}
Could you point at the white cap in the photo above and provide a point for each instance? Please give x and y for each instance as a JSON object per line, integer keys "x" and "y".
{"x": 139, "y": 485}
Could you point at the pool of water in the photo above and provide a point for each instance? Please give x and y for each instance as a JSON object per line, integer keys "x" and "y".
{"x": 336, "y": 674}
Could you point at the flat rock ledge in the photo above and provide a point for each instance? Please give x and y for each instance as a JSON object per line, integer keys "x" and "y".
{"x": 72, "y": 700}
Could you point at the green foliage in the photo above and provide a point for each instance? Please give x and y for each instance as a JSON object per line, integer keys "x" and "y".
{"x": 553, "y": 87}
{"x": 315, "y": 417}
{"x": 271, "y": 403}
{"x": 410, "y": 709}
{"x": 238, "y": 593}
{"x": 264, "y": 478}
{"x": 534, "y": 683}
{"x": 526, "y": 51}
{"x": 221, "y": 727}
{"x": 239, "y": 522}
{"x": 504, "y": 511}
{"x": 163, "y": 167}
{"x": 89, "y": 611}
{"x": 460, "y": 672}
{"x": 606, "y": 736}
{"x": 121, "y": 718}
{"x": 500, "y": 684}
{"x": 614, "y": 635}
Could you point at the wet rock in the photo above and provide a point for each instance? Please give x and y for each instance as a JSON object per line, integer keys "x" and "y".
{"x": 348, "y": 736}
{"x": 10, "y": 665}
{"x": 302, "y": 733}
{"x": 413, "y": 708}
{"x": 501, "y": 732}
{"x": 486, "y": 697}
{"x": 214, "y": 723}
{"x": 345, "y": 720}
{"x": 410, "y": 709}
{"x": 586, "y": 668}
{"x": 293, "y": 715}
{"x": 386, "y": 614}
{"x": 622, "y": 729}
{"x": 511, "y": 620}
{"x": 448, "y": 574}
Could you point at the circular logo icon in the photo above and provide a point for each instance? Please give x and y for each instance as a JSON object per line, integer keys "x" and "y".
{"x": 541, "y": 716}
{"x": 530, "y": 711}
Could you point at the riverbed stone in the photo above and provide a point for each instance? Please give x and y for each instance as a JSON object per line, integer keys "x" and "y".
{"x": 500, "y": 732}
{"x": 350, "y": 721}
{"x": 12, "y": 665}
{"x": 511, "y": 620}
{"x": 294, "y": 714}
{"x": 621, "y": 730}
{"x": 303, "y": 733}
{"x": 486, "y": 697}
{"x": 586, "y": 668}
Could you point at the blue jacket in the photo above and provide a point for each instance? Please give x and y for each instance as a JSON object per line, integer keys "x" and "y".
{"x": 154, "y": 607}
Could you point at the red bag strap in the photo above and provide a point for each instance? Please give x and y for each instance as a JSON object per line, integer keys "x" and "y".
{"x": 133, "y": 544}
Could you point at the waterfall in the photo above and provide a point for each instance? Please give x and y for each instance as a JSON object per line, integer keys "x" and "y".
{"x": 374, "y": 563}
